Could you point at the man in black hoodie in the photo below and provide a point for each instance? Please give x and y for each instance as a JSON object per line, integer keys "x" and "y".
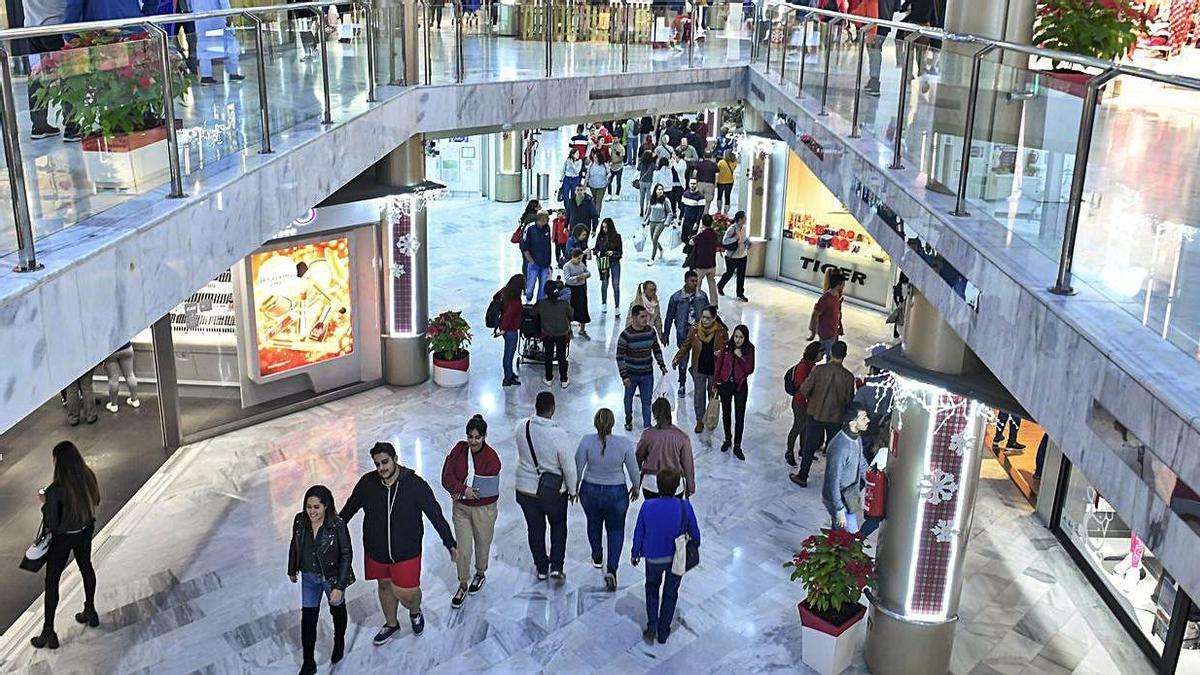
{"x": 392, "y": 499}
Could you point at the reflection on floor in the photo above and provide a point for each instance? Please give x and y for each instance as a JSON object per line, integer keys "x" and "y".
{"x": 192, "y": 571}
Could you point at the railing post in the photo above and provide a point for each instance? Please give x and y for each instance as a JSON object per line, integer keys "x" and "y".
{"x": 549, "y": 26}
{"x": 692, "y": 25}
{"x": 264, "y": 106}
{"x": 770, "y": 30}
{"x": 628, "y": 19}
{"x": 804, "y": 51}
{"x": 754, "y": 28}
{"x": 425, "y": 38}
{"x": 368, "y": 13}
{"x": 828, "y": 57}
{"x": 1083, "y": 147}
{"x": 862, "y": 46}
{"x": 902, "y": 103}
{"x": 22, "y": 221}
{"x": 960, "y": 201}
{"x": 460, "y": 65}
{"x": 322, "y": 21}
{"x": 787, "y": 34}
{"x": 164, "y": 55}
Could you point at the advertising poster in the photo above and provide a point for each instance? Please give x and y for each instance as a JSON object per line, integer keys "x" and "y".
{"x": 302, "y": 305}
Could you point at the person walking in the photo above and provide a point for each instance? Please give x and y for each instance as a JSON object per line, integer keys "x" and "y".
{"x": 80, "y": 399}
{"x": 393, "y": 498}
{"x": 572, "y": 174}
{"x": 555, "y": 314}
{"x": 637, "y": 349}
{"x": 576, "y": 275}
{"x": 544, "y": 459}
{"x": 737, "y": 248}
{"x": 319, "y": 558}
{"x": 726, "y": 170}
{"x": 69, "y": 514}
{"x": 735, "y": 364}
{"x": 692, "y": 208}
{"x": 510, "y": 324}
{"x": 647, "y": 297}
{"x": 645, "y": 182}
{"x": 683, "y": 311}
{"x": 471, "y": 474}
{"x": 582, "y": 208}
{"x": 120, "y": 364}
{"x": 665, "y": 446}
{"x": 845, "y": 472}
{"x": 704, "y": 341}
{"x": 826, "y": 321}
{"x": 797, "y": 375}
{"x": 705, "y": 173}
{"x": 609, "y": 250}
{"x": 704, "y": 254}
{"x": 604, "y": 461}
{"x": 1012, "y": 446}
{"x": 679, "y": 167}
{"x": 662, "y": 174}
{"x": 658, "y": 217}
{"x": 598, "y": 175}
{"x": 616, "y": 166}
{"x": 40, "y": 13}
{"x": 535, "y": 247}
{"x": 659, "y": 522}
{"x": 829, "y": 388}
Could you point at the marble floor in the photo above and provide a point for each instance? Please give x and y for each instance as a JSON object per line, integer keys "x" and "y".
{"x": 192, "y": 569}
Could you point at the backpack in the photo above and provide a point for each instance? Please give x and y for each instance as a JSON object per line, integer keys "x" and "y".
{"x": 789, "y": 379}
{"x": 491, "y": 318}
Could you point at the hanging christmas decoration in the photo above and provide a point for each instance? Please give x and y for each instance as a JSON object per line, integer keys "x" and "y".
{"x": 938, "y": 486}
{"x": 944, "y": 531}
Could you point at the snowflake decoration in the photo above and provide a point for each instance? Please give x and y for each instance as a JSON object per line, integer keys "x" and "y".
{"x": 943, "y": 531}
{"x": 397, "y": 270}
{"x": 407, "y": 245}
{"x": 959, "y": 443}
{"x": 938, "y": 487}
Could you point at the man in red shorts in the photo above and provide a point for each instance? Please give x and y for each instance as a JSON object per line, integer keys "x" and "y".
{"x": 392, "y": 498}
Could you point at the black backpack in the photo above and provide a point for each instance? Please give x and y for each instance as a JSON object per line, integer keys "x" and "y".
{"x": 495, "y": 310}
{"x": 789, "y": 381}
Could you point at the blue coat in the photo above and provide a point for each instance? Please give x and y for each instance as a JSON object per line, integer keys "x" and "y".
{"x": 104, "y": 10}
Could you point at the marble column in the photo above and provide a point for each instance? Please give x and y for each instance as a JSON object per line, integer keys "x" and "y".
{"x": 935, "y": 449}
{"x": 405, "y": 353}
{"x": 509, "y": 147}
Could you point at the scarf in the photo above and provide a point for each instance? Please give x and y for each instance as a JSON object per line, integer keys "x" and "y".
{"x": 706, "y": 335}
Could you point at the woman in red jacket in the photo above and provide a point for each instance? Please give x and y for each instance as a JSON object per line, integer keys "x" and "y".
{"x": 471, "y": 475}
{"x": 800, "y": 371}
{"x": 510, "y": 323}
{"x": 734, "y": 366}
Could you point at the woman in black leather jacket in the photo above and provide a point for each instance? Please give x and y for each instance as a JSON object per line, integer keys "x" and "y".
{"x": 320, "y": 553}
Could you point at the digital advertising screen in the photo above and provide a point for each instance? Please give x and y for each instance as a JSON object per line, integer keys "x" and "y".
{"x": 302, "y": 305}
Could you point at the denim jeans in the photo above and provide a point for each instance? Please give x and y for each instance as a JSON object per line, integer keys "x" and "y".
{"x": 644, "y": 384}
{"x": 702, "y": 383}
{"x": 536, "y": 274}
{"x": 869, "y": 525}
{"x": 614, "y": 278}
{"x": 659, "y": 616}
{"x": 312, "y": 587}
{"x": 510, "y": 351}
{"x": 605, "y": 507}
{"x": 683, "y": 366}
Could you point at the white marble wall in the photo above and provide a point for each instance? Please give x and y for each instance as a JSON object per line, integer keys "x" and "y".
{"x": 109, "y": 277}
{"x": 1059, "y": 356}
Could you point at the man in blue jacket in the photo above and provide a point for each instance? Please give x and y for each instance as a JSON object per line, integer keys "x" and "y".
{"x": 683, "y": 311}
{"x": 845, "y": 469}
{"x": 104, "y": 10}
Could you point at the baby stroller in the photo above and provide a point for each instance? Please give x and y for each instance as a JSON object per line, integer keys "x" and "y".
{"x": 529, "y": 345}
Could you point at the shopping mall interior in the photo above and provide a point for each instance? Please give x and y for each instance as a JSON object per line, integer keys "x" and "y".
{"x": 245, "y": 293}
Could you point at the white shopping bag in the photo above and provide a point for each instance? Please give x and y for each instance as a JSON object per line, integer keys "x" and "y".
{"x": 639, "y": 240}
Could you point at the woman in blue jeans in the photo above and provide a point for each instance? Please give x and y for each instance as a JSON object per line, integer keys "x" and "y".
{"x": 510, "y": 324}
{"x": 319, "y": 558}
{"x": 604, "y": 461}
{"x": 658, "y": 523}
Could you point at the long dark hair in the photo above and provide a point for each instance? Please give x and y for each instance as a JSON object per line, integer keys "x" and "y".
{"x": 322, "y": 493}
{"x": 513, "y": 289}
{"x": 81, "y": 492}
{"x": 532, "y": 207}
{"x": 747, "y": 346}
{"x": 607, "y": 230}
{"x": 813, "y": 351}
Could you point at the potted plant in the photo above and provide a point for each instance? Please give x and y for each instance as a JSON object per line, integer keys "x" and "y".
{"x": 109, "y": 84}
{"x": 1102, "y": 29}
{"x": 449, "y": 336}
{"x": 834, "y": 568}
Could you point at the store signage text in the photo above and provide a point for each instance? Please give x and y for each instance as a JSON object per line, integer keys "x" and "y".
{"x": 814, "y": 265}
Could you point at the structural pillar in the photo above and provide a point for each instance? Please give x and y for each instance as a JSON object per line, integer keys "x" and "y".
{"x": 405, "y": 353}
{"x": 935, "y": 449}
{"x": 508, "y": 167}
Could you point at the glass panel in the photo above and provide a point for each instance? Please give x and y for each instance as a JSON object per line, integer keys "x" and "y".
{"x": 435, "y": 41}
{"x": 345, "y": 41}
{"x": 877, "y": 112}
{"x": 389, "y": 45}
{"x": 843, "y": 63}
{"x": 586, "y": 40}
{"x": 220, "y": 115}
{"x": 723, "y": 38}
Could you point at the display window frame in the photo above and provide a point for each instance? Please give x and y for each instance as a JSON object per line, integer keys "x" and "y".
{"x": 1165, "y": 662}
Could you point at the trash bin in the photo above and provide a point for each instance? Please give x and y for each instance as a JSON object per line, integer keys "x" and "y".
{"x": 543, "y": 187}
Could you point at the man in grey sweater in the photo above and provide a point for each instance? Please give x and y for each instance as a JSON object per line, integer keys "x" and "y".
{"x": 845, "y": 471}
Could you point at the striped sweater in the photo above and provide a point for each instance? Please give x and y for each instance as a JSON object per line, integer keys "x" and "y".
{"x": 634, "y": 351}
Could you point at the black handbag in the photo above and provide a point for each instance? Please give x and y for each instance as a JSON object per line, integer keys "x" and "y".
{"x": 549, "y": 483}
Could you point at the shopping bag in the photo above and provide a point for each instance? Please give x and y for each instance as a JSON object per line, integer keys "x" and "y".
{"x": 671, "y": 239}
{"x": 712, "y": 413}
{"x": 662, "y": 388}
{"x": 720, "y": 265}
{"x": 639, "y": 240}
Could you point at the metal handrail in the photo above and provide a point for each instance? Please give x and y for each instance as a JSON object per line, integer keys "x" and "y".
{"x": 157, "y": 19}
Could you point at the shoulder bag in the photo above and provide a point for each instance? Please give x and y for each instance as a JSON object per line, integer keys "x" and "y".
{"x": 687, "y": 551}
{"x": 35, "y": 555}
{"x": 549, "y": 483}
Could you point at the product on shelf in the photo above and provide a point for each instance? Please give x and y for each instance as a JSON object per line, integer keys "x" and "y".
{"x": 804, "y": 226}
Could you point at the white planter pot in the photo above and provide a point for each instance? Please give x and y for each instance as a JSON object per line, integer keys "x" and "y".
{"x": 138, "y": 169}
{"x": 449, "y": 377}
{"x": 828, "y": 654}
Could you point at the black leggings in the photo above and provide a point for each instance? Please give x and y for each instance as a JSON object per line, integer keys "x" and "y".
{"x": 551, "y": 345}
{"x": 737, "y": 400}
{"x": 724, "y": 193}
{"x": 61, "y": 547}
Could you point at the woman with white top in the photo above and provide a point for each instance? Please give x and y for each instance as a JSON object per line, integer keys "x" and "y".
{"x": 604, "y": 461}
{"x": 598, "y": 175}
{"x": 572, "y": 174}
{"x": 658, "y": 217}
{"x": 647, "y": 297}
{"x": 679, "y": 169}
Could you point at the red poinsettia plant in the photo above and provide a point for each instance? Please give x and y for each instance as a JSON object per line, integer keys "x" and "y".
{"x": 835, "y": 568}
{"x": 449, "y": 336}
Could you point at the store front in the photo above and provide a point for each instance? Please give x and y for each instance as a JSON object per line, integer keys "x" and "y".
{"x": 1020, "y": 447}
{"x": 820, "y": 235}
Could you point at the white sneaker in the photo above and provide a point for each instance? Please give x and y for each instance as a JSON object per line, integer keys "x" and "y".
{"x": 111, "y": 407}
{"x": 565, "y": 383}
{"x": 604, "y": 309}
{"x": 547, "y": 381}
{"x": 134, "y": 402}
{"x": 650, "y": 264}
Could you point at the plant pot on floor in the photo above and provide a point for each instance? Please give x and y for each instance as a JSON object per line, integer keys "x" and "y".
{"x": 451, "y": 372}
{"x": 134, "y": 161}
{"x": 829, "y": 643}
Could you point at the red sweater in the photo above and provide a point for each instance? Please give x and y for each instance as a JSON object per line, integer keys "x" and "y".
{"x": 800, "y": 374}
{"x": 510, "y": 317}
{"x": 454, "y": 471}
{"x": 740, "y": 368}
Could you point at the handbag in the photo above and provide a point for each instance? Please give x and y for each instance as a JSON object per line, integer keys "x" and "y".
{"x": 518, "y": 234}
{"x": 712, "y": 413}
{"x": 35, "y": 555}
{"x": 687, "y": 550}
{"x": 549, "y": 483}
{"x": 637, "y": 184}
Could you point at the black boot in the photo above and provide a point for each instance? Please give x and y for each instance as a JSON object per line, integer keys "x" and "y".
{"x": 339, "y": 631}
{"x": 308, "y": 638}
{"x": 47, "y": 640}
{"x": 88, "y": 616}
